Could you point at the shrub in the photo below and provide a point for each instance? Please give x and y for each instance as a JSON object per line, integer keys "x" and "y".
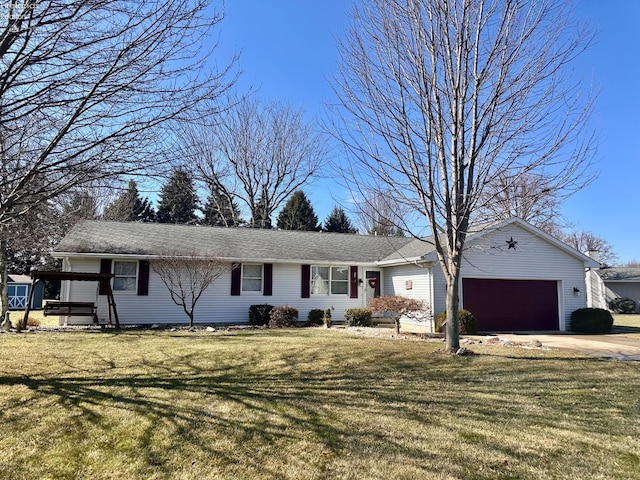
{"x": 622, "y": 305}
{"x": 315, "y": 316}
{"x": 357, "y": 317}
{"x": 33, "y": 322}
{"x": 591, "y": 320}
{"x": 259, "y": 314}
{"x": 281, "y": 317}
{"x": 467, "y": 322}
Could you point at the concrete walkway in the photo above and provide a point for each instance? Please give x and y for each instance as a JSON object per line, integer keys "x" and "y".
{"x": 610, "y": 345}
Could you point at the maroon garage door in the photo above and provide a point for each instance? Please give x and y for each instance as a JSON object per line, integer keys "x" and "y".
{"x": 512, "y": 305}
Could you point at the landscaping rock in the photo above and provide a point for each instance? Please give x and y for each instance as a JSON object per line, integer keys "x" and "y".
{"x": 210, "y": 329}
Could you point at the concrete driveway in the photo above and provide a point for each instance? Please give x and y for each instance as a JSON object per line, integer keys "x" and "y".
{"x": 615, "y": 345}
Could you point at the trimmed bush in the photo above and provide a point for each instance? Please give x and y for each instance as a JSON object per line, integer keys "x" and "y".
{"x": 622, "y": 305}
{"x": 467, "y": 322}
{"x": 315, "y": 316}
{"x": 591, "y": 320}
{"x": 282, "y": 317}
{"x": 259, "y": 314}
{"x": 357, "y": 317}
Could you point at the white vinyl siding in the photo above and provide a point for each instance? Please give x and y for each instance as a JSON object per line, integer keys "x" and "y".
{"x": 534, "y": 258}
{"x": 216, "y": 304}
{"x": 412, "y": 281}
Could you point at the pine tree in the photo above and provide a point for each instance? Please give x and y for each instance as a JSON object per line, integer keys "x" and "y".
{"x": 129, "y": 207}
{"x": 298, "y": 214}
{"x": 221, "y": 211}
{"x": 178, "y": 200}
{"x": 260, "y": 217}
{"x": 338, "y": 222}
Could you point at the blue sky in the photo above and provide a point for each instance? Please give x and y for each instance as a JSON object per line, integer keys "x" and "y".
{"x": 288, "y": 52}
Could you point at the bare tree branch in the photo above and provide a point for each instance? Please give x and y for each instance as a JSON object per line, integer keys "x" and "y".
{"x": 87, "y": 89}
{"x": 258, "y": 154}
{"x": 187, "y": 277}
{"x": 439, "y": 97}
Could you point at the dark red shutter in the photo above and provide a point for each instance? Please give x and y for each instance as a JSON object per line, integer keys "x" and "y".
{"x": 305, "y": 286}
{"x": 267, "y": 271}
{"x": 143, "y": 277}
{"x": 105, "y": 267}
{"x": 236, "y": 278}
{"x": 353, "y": 282}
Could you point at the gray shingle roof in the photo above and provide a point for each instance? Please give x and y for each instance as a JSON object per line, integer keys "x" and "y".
{"x": 152, "y": 239}
{"x": 620, "y": 274}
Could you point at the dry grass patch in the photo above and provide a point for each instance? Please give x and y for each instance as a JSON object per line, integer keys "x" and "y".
{"x": 308, "y": 404}
{"x": 627, "y": 325}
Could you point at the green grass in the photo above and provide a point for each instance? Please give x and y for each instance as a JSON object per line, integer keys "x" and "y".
{"x": 308, "y": 404}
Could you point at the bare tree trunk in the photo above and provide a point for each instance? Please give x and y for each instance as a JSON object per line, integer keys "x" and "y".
{"x": 5, "y": 322}
{"x": 438, "y": 98}
{"x": 452, "y": 334}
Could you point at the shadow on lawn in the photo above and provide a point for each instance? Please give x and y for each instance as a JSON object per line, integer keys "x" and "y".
{"x": 333, "y": 406}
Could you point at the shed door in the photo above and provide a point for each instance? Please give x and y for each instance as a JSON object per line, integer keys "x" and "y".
{"x": 18, "y": 296}
{"x": 512, "y": 305}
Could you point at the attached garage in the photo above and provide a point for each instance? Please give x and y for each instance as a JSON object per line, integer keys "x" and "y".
{"x": 512, "y": 305}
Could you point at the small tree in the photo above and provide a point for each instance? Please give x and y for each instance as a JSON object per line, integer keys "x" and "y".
{"x": 298, "y": 214}
{"x": 399, "y": 307}
{"x": 338, "y": 222}
{"x": 187, "y": 277}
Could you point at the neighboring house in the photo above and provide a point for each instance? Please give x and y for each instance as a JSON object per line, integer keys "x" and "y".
{"x": 19, "y": 287}
{"x": 514, "y": 276}
{"x": 620, "y": 282}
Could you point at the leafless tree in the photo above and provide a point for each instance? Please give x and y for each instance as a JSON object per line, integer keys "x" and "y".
{"x": 187, "y": 277}
{"x": 87, "y": 88}
{"x": 257, "y": 154}
{"x": 380, "y": 214}
{"x": 584, "y": 241}
{"x": 399, "y": 308}
{"x": 438, "y": 97}
{"x": 526, "y": 196}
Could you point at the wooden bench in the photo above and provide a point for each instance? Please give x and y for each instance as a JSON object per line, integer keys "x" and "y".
{"x": 76, "y": 309}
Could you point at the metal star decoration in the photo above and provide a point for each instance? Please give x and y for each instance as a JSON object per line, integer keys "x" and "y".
{"x": 512, "y": 243}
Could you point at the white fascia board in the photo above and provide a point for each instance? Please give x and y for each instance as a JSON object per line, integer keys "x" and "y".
{"x": 402, "y": 261}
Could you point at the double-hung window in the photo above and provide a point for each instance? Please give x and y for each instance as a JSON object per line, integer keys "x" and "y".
{"x": 125, "y": 279}
{"x": 329, "y": 280}
{"x": 251, "y": 277}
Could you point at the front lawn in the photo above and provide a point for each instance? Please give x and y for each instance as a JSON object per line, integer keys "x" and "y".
{"x": 308, "y": 404}
{"x": 626, "y": 321}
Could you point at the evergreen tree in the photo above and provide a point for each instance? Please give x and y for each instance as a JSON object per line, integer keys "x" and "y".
{"x": 80, "y": 205}
{"x": 298, "y": 214}
{"x": 338, "y": 222}
{"x": 178, "y": 200}
{"x": 260, "y": 217}
{"x": 129, "y": 207}
{"x": 221, "y": 211}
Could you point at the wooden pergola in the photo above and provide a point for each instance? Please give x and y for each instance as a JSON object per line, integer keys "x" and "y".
{"x": 103, "y": 279}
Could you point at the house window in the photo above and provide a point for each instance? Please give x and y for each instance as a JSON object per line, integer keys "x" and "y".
{"x": 125, "y": 279}
{"x": 251, "y": 277}
{"x": 329, "y": 280}
{"x": 339, "y": 280}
